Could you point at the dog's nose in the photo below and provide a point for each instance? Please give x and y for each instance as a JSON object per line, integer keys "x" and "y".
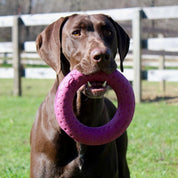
{"x": 100, "y": 54}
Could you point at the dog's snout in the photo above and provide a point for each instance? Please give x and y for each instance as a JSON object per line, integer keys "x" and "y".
{"x": 98, "y": 54}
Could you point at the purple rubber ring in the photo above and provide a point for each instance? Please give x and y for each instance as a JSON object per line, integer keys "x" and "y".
{"x": 94, "y": 135}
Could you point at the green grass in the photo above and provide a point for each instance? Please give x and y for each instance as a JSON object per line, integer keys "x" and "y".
{"x": 153, "y": 145}
{"x": 16, "y": 117}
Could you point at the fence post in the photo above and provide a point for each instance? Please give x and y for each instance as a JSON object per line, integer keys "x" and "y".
{"x": 17, "y": 91}
{"x": 136, "y": 32}
{"x": 162, "y": 67}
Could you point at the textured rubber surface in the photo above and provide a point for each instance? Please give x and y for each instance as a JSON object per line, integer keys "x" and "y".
{"x": 94, "y": 135}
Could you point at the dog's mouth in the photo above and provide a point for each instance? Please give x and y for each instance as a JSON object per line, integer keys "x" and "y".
{"x": 95, "y": 89}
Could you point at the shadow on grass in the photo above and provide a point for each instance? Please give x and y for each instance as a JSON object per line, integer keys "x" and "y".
{"x": 167, "y": 99}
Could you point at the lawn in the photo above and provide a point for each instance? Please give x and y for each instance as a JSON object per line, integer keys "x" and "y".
{"x": 153, "y": 145}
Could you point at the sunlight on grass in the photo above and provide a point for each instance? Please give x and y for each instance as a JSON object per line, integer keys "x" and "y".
{"x": 153, "y": 147}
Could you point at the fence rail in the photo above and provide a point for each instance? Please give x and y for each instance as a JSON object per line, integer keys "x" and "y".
{"x": 152, "y": 13}
{"x": 135, "y": 15}
{"x": 155, "y": 44}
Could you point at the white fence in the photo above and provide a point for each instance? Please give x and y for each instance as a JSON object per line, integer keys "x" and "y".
{"x": 135, "y": 15}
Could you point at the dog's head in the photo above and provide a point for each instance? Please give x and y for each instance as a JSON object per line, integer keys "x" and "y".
{"x": 88, "y": 43}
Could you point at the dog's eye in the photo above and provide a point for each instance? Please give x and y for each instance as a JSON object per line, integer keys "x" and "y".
{"x": 107, "y": 33}
{"x": 76, "y": 33}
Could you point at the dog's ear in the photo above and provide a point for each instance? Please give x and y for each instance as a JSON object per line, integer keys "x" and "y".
{"x": 123, "y": 41}
{"x": 48, "y": 44}
{"x": 123, "y": 44}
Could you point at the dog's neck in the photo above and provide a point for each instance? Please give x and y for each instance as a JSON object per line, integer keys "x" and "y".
{"x": 86, "y": 108}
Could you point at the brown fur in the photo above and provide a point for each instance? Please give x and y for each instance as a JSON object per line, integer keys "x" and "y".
{"x": 88, "y": 44}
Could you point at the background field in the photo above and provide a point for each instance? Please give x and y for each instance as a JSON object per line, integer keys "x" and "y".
{"x": 153, "y": 145}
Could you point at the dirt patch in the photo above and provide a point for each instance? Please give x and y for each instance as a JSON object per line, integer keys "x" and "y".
{"x": 155, "y": 92}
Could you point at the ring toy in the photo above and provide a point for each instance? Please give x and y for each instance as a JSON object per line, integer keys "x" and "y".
{"x": 94, "y": 135}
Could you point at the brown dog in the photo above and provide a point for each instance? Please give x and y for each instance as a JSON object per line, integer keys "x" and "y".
{"x": 89, "y": 44}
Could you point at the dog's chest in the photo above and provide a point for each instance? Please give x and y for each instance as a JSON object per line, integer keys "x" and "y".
{"x": 95, "y": 162}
